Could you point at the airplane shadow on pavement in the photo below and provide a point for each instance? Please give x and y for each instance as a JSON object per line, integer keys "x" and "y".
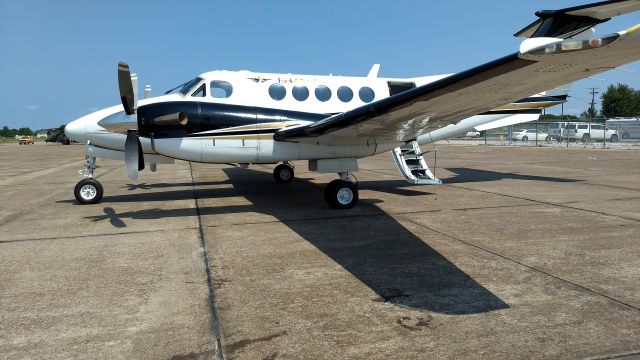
{"x": 466, "y": 175}
{"x": 397, "y": 265}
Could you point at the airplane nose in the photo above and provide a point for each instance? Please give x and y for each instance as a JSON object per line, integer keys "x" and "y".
{"x": 76, "y": 130}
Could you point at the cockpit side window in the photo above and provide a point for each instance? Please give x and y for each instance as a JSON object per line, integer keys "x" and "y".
{"x": 201, "y": 92}
{"x": 185, "y": 88}
{"x": 221, "y": 89}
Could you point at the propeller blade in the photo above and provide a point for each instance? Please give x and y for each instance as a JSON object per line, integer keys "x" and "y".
{"x": 127, "y": 93}
{"x": 133, "y": 155}
{"x": 140, "y": 155}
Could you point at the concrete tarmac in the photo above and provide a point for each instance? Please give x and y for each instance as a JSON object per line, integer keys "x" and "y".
{"x": 523, "y": 253}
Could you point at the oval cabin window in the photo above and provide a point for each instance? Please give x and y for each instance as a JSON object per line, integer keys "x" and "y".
{"x": 277, "y": 91}
{"x": 345, "y": 94}
{"x": 323, "y": 93}
{"x": 300, "y": 92}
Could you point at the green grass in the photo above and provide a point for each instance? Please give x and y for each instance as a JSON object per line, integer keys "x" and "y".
{"x": 12, "y": 140}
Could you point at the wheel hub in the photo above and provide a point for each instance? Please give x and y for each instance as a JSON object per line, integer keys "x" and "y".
{"x": 285, "y": 174}
{"x": 88, "y": 192}
{"x": 344, "y": 196}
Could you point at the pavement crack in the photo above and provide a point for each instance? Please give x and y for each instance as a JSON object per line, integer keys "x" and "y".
{"x": 630, "y": 354}
{"x": 557, "y": 277}
{"x": 215, "y": 322}
{"x": 69, "y": 237}
{"x": 546, "y": 203}
{"x": 243, "y": 343}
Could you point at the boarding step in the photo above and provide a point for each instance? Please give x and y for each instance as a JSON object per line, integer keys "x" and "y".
{"x": 412, "y": 166}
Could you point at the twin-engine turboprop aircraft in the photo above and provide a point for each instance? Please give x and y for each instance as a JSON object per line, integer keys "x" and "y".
{"x": 331, "y": 121}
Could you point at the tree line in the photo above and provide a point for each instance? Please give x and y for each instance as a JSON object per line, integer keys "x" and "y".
{"x": 6, "y": 132}
{"x": 619, "y": 100}
{"x": 25, "y": 131}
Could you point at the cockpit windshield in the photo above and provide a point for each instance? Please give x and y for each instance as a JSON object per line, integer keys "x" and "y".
{"x": 185, "y": 88}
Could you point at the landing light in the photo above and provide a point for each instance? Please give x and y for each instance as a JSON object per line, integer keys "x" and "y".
{"x": 574, "y": 45}
{"x": 567, "y": 46}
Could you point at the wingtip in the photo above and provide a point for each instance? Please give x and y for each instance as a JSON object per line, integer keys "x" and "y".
{"x": 633, "y": 29}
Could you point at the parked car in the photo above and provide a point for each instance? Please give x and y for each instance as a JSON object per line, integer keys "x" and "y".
{"x": 530, "y": 134}
{"x": 473, "y": 134}
{"x": 584, "y": 132}
{"x": 25, "y": 140}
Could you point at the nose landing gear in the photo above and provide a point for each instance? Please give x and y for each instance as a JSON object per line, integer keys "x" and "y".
{"x": 89, "y": 190}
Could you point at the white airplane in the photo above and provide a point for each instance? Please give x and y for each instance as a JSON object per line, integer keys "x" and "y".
{"x": 331, "y": 121}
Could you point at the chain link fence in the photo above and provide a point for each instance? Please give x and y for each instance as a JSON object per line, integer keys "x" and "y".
{"x": 603, "y": 133}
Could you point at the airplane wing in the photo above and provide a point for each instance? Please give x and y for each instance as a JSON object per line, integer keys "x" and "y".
{"x": 542, "y": 63}
{"x": 567, "y": 22}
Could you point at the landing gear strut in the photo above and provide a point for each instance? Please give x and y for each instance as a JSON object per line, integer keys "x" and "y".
{"x": 284, "y": 173}
{"x": 341, "y": 193}
{"x": 88, "y": 190}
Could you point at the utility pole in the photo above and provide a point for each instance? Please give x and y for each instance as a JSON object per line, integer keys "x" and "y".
{"x": 592, "y": 109}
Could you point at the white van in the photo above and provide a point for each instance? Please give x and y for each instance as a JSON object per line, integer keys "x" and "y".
{"x": 582, "y": 131}
{"x": 556, "y": 130}
{"x": 628, "y": 128}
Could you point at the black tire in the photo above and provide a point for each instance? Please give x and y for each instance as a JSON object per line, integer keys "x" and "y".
{"x": 585, "y": 137}
{"x": 341, "y": 194}
{"x": 548, "y": 139}
{"x": 525, "y": 138}
{"x": 614, "y": 138}
{"x": 283, "y": 173}
{"x": 88, "y": 191}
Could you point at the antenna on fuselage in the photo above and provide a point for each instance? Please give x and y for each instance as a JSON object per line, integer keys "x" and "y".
{"x": 373, "y": 73}
{"x": 147, "y": 91}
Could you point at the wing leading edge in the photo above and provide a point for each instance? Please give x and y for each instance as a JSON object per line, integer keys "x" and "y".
{"x": 405, "y": 116}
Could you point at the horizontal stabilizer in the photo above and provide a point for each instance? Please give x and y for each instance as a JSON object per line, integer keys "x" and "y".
{"x": 565, "y": 23}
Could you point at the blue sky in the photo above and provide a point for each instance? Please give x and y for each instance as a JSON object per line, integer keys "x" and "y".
{"x": 58, "y": 58}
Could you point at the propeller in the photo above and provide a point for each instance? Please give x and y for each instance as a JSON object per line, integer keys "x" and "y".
{"x": 133, "y": 155}
{"x": 128, "y": 92}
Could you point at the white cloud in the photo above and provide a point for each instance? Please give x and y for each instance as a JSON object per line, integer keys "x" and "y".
{"x": 92, "y": 109}
{"x": 32, "y": 107}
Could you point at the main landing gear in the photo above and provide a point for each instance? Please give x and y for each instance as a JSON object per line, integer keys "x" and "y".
{"x": 341, "y": 193}
{"x": 88, "y": 190}
{"x": 284, "y": 173}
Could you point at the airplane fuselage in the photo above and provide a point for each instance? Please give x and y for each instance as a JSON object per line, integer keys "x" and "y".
{"x": 230, "y": 117}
